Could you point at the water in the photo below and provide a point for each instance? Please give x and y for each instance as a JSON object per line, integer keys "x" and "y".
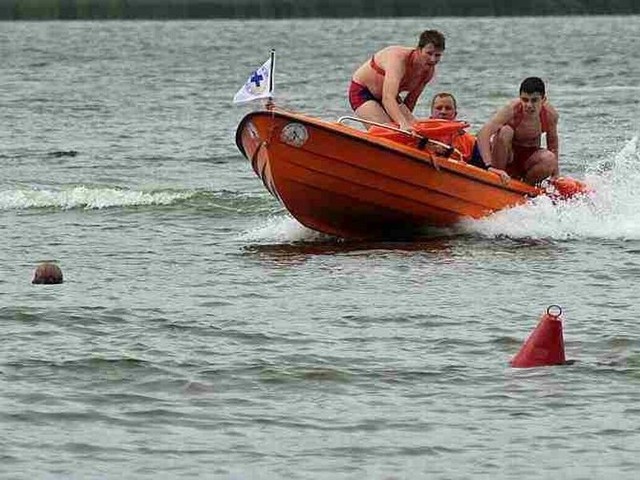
{"x": 202, "y": 333}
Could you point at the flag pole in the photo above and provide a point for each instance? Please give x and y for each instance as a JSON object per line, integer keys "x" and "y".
{"x": 270, "y": 103}
{"x": 273, "y": 66}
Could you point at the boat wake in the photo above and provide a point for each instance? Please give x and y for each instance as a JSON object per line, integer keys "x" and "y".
{"x": 611, "y": 211}
{"x": 85, "y": 198}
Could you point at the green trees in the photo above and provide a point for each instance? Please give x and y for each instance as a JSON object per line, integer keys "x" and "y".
{"x": 52, "y": 9}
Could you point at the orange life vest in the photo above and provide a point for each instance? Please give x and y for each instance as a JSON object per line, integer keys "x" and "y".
{"x": 449, "y": 132}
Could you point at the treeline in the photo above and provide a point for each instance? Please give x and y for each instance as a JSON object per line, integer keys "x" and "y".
{"x": 160, "y": 9}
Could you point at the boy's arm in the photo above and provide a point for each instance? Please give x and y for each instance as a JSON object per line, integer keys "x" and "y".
{"x": 390, "y": 88}
{"x": 553, "y": 141}
{"x": 501, "y": 118}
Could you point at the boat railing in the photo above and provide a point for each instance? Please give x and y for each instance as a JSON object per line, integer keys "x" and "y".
{"x": 448, "y": 150}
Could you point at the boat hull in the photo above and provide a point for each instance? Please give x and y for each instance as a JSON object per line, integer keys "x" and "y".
{"x": 343, "y": 181}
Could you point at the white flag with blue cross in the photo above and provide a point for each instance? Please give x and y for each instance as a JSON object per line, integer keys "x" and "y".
{"x": 259, "y": 84}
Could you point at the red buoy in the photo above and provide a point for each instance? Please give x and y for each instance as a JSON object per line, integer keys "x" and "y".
{"x": 566, "y": 188}
{"x": 545, "y": 345}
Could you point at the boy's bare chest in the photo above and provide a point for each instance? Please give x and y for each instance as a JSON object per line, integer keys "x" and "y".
{"x": 529, "y": 129}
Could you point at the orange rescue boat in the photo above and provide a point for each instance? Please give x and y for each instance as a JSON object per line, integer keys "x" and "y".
{"x": 381, "y": 183}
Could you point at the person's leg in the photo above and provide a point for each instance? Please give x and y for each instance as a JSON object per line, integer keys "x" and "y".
{"x": 372, "y": 111}
{"x": 475, "y": 158}
{"x": 539, "y": 166}
{"x": 501, "y": 148}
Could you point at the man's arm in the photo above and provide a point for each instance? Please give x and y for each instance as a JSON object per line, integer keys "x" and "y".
{"x": 394, "y": 71}
{"x": 501, "y": 118}
{"x": 553, "y": 141}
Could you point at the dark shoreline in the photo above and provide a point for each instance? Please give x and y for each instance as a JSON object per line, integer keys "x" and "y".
{"x": 241, "y": 9}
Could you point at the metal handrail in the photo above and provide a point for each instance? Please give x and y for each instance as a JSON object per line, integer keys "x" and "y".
{"x": 405, "y": 132}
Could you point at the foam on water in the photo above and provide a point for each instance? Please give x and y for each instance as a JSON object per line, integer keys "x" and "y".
{"x": 85, "y": 197}
{"x": 282, "y": 229}
{"x": 611, "y": 211}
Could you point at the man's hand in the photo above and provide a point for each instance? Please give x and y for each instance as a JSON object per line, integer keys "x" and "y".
{"x": 504, "y": 176}
{"x": 406, "y": 127}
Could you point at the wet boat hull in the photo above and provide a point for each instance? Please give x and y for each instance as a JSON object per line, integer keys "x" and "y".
{"x": 342, "y": 181}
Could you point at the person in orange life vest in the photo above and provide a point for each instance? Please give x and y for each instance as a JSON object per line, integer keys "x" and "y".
{"x": 510, "y": 142}
{"x": 376, "y": 86}
{"x": 445, "y": 107}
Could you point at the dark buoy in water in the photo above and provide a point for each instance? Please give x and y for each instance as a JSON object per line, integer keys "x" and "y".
{"x": 47, "y": 273}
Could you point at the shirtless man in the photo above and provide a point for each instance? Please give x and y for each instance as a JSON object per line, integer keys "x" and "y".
{"x": 510, "y": 143}
{"x": 377, "y": 85}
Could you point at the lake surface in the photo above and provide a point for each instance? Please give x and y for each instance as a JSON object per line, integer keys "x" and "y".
{"x": 201, "y": 332}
